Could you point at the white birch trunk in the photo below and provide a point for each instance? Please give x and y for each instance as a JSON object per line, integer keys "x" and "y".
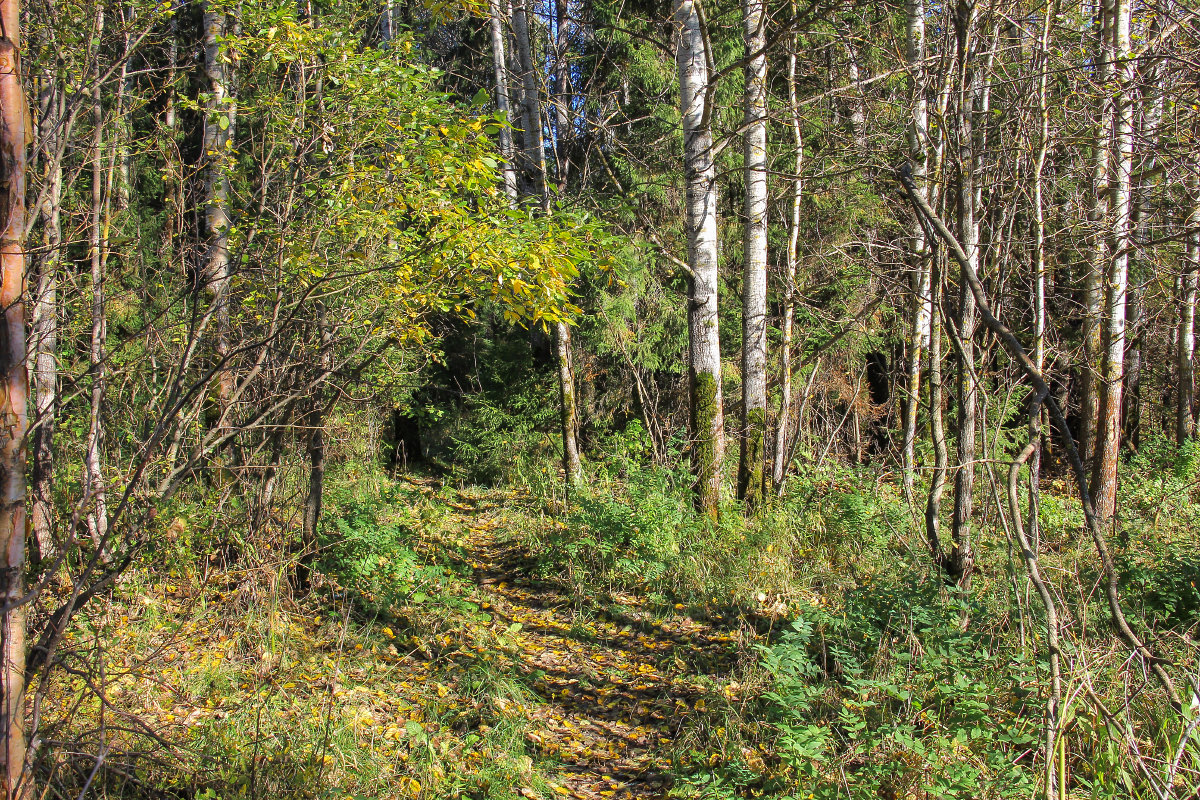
{"x": 707, "y": 415}
{"x": 1093, "y": 288}
{"x": 500, "y": 66}
{"x": 921, "y": 303}
{"x": 1186, "y": 342}
{"x": 44, "y": 324}
{"x": 1108, "y": 444}
{"x": 219, "y": 123}
{"x": 535, "y": 170}
{"x": 751, "y": 472}
{"x": 780, "y": 465}
{"x": 97, "y": 515}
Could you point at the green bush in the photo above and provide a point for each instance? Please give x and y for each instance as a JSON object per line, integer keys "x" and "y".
{"x": 887, "y": 695}
{"x": 363, "y": 549}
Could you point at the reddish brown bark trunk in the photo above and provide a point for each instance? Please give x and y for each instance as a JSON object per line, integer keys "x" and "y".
{"x": 14, "y": 137}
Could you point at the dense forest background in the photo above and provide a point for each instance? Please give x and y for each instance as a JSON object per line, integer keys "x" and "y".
{"x": 593, "y": 398}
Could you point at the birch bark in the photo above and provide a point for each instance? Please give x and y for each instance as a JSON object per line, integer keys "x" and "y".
{"x": 921, "y": 310}
{"x": 1093, "y": 294}
{"x": 217, "y": 142}
{"x": 1186, "y": 341}
{"x": 500, "y": 67}
{"x": 707, "y": 415}
{"x": 97, "y": 515}
{"x": 1108, "y": 444}
{"x": 14, "y": 405}
{"x": 751, "y": 471}
{"x": 780, "y": 465}
{"x": 44, "y": 320}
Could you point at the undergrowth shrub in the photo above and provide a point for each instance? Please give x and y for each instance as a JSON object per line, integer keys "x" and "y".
{"x": 886, "y": 696}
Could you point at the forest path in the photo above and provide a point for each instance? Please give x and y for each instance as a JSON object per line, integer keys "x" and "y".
{"x": 615, "y": 682}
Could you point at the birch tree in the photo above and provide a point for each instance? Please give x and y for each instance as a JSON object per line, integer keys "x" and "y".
{"x": 219, "y": 126}
{"x": 1095, "y": 269}
{"x": 783, "y": 424}
{"x": 500, "y": 70}
{"x": 44, "y": 316}
{"x": 751, "y": 471}
{"x": 1108, "y": 434}
{"x": 921, "y": 309}
{"x": 707, "y": 420}
{"x": 15, "y": 138}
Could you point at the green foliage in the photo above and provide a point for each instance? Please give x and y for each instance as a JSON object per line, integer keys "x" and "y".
{"x": 887, "y": 695}
{"x": 374, "y": 555}
{"x": 631, "y": 537}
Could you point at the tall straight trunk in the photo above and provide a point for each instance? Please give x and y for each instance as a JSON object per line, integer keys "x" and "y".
{"x": 387, "y": 22}
{"x": 752, "y": 466}
{"x": 1042, "y": 66}
{"x": 961, "y": 559}
{"x": 707, "y": 415}
{"x": 169, "y": 113}
{"x": 217, "y": 144}
{"x": 1185, "y": 344}
{"x": 562, "y": 93}
{"x": 44, "y": 319}
{"x": 500, "y": 67}
{"x": 535, "y": 174}
{"x": 97, "y": 517}
{"x": 1093, "y": 282}
{"x": 1028, "y": 536}
{"x": 533, "y": 168}
{"x": 123, "y": 129}
{"x": 1108, "y": 438}
{"x": 856, "y": 114}
{"x": 921, "y": 309}
{"x": 14, "y": 405}
{"x": 789, "y": 303}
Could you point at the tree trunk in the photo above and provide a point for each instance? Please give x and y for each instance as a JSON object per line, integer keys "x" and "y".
{"x": 961, "y": 559}
{"x": 14, "y": 405}
{"x": 562, "y": 93}
{"x": 535, "y": 172}
{"x": 707, "y": 415}
{"x": 780, "y": 465}
{"x": 123, "y": 129}
{"x": 500, "y": 67}
{"x": 752, "y": 470}
{"x": 1093, "y": 295}
{"x": 569, "y": 416}
{"x": 219, "y": 122}
{"x": 533, "y": 169}
{"x": 921, "y": 310}
{"x": 1108, "y": 439}
{"x": 937, "y": 430}
{"x": 1185, "y": 344}
{"x": 1042, "y": 63}
{"x": 97, "y": 516}
{"x": 387, "y": 23}
{"x": 45, "y": 325}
